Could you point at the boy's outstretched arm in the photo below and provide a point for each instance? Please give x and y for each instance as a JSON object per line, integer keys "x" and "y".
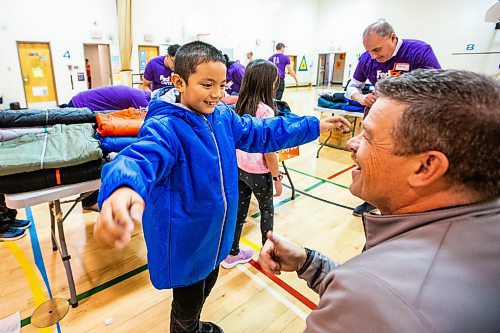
{"x": 119, "y": 213}
{"x": 262, "y": 135}
{"x": 335, "y": 122}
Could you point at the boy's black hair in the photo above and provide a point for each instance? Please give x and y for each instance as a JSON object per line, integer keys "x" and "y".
{"x": 172, "y": 49}
{"x": 192, "y": 54}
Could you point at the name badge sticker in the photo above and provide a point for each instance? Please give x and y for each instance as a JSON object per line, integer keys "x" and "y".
{"x": 400, "y": 66}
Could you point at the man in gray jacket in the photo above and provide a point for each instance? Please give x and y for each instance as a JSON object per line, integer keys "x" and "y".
{"x": 429, "y": 159}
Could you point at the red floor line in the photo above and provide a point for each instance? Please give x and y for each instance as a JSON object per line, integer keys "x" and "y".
{"x": 304, "y": 300}
{"x": 341, "y": 172}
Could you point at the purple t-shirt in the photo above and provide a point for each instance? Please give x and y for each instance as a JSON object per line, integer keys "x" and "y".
{"x": 158, "y": 73}
{"x": 111, "y": 98}
{"x": 234, "y": 77}
{"x": 280, "y": 60}
{"x": 411, "y": 55}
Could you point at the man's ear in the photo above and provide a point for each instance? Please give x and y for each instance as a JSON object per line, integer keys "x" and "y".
{"x": 429, "y": 168}
{"x": 178, "y": 82}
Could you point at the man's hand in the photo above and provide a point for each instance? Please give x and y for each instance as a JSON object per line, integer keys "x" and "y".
{"x": 279, "y": 255}
{"x": 368, "y": 99}
{"x": 118, "y": 216}
{"x": 335, "y": 122}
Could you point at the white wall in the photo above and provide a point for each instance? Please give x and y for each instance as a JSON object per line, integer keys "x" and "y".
{"x": 447, "y": 25}
{"x": 231, "y": 24}
{"x": 307, "y": 27}
{"x": 66, "y": 25}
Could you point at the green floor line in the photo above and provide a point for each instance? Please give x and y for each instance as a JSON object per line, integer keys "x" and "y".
{"x": 281, "y": 203}
{"x": 320, "y": 199}
{"x": 310, "y": 188}
{"x": 318, "y": 178}
{"x": 296, "y": 195}
{"x": 25, "y": 321}
{"x": 101, "y": 287}
{"x": 111, "y": 282}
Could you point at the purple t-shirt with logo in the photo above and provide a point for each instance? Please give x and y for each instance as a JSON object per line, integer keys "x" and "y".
{"x": 111, "y": 98}
{"x": 411, "y": 55}
{"x": 280, "y": 60}
{"x": 158, "y": 73}
{"x": 234, "y": 77}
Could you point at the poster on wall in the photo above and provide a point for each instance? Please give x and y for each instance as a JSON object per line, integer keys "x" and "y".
{"x": 142, "y": 61}
{"x": 303, "y": 65}
{"x": 115, "y": 64}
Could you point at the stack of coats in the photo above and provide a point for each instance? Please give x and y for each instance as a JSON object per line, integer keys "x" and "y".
{"x": 46, "y": 148}
{"x": 339, "y": 101}
{"x": 117, "y": 130}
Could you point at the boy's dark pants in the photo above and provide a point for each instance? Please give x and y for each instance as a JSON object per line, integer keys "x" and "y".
{"x": 187, "y": 304}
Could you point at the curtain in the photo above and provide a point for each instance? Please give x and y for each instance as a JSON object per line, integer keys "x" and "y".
{"x": 124, "y": 12}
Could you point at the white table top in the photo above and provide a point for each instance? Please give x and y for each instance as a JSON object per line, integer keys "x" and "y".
{"x": 28, "y": 199}
{"x": 338, "y": 111}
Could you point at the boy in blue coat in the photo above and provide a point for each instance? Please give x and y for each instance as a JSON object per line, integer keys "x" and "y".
{"x": 184, "y": 167}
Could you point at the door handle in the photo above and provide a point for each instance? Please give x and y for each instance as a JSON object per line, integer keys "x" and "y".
{"x": 26, "y": 78}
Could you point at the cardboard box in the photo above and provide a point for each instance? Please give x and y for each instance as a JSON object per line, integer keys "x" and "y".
{"x": 339, "y": 139}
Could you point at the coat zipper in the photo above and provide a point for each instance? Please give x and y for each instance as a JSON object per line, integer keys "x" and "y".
{"x": 222, "y": 189}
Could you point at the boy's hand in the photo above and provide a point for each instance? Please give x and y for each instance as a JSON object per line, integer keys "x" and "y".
{"x": 335, "y": 122}
{"x": 117, "y": 218}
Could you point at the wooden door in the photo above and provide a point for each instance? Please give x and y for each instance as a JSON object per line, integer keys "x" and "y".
{"x": 146, "y": 53}
{"x": 37, "y": 73}
{"x": 293, "y": 62}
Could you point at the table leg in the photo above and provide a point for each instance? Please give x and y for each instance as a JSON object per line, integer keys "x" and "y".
{"x": 323, "y": 144}
{"x": 52, "y": 225}
{"x": 64, "y": 253}
{"x": 290, "y": 180}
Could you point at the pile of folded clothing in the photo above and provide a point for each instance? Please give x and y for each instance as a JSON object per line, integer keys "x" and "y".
{"x": 46, "y": 148}
{"x": 339, "y": 101}
{"x": 118, "y": 129}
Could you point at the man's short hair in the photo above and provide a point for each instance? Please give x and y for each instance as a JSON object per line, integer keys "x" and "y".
{"x": 172, "y": 49}
{"x": 455, "y": 112}
{"x": 380, "y": 28}
{"x": 192, "y": 54}
{"x": 279, "y": 46}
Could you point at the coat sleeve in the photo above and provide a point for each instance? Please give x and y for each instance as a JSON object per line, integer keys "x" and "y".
{"x": 319, "y": 267}
{"x": 257, "y": 135}
{"x": 142, "y": 164}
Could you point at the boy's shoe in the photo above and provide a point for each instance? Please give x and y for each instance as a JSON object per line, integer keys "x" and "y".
{"x": 11, "y": 234}
{"x": 20, "y": 224}
{"x": 365, "y": 207}
{"x": 242, "y": 257}
{"x": 208, "y": 327}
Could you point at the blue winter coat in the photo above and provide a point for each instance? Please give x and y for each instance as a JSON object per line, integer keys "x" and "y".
{"x": 184, "y": 167}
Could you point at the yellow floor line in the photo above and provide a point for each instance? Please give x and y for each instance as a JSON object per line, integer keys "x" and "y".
{"x": 249, "y": 243}
{"x": 29, "y": 272}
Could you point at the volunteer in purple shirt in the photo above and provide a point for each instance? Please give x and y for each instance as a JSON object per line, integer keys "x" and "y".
{"x": 386, "y": 55}
{"x": 111, "y": 98}
{"x": 159, "y": 70}
{"x": 234, "y": 76}
{"x": 282, "y": 62}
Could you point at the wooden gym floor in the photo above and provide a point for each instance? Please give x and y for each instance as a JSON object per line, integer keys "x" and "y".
{"x": 114, "y": 285}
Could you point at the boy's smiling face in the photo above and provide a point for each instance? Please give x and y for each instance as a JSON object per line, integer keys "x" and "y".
{"x": 205, "y": 87}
